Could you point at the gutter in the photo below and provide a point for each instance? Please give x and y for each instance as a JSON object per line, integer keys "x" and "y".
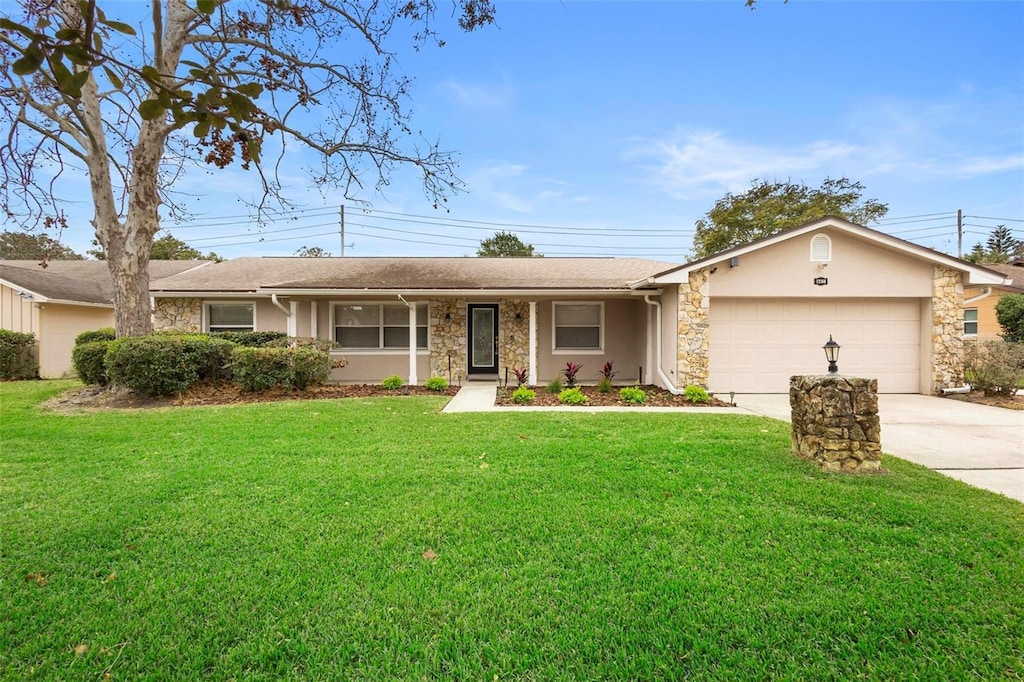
{"x": 669, "y": 385}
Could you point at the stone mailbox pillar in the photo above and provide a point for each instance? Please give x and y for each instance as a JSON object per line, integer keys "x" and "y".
{"x": 835, "y": 421}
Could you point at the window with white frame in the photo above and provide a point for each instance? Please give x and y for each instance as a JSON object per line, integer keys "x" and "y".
{"x": 578, "y": 326}
{"x": 970, "y": 321}
{"x": 377, "y": 326}
{"x": 230, "y": 317}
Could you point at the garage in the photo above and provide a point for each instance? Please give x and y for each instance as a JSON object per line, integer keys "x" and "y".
{"x": 758, "y": 343}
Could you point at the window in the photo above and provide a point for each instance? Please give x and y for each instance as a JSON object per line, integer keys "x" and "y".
{"x": 230, "y": 317}
{"x": 970, "y": 320}
{"x": 578, "y": 326}
{"x": 821, "y": 248}
{"x": 374, "y": 326}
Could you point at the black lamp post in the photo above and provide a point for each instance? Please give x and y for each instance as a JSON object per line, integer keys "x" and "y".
{"x": 832, "y": 354}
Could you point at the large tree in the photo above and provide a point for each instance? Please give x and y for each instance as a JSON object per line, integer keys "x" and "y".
{"x": 769, "y": 207}
{"x": 1000, "y": 247}
{"x": 505, "y": 245}
{"x": 128, "y": 102}
{"x": 17, "y": 245}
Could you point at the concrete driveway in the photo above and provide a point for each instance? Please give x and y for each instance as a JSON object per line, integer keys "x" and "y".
{"x": 977, "y": 444}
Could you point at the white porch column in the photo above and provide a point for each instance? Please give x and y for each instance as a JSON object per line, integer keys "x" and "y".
{"x": 413, "y": 379}
{"x": 293, "y": 318}
{"x": 313, "y": 330}
{"x": 648, "y": 376}
{"x": 533, "y": 344}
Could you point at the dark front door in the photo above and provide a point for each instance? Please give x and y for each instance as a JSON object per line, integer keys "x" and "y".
{"x": 483, "y": 338}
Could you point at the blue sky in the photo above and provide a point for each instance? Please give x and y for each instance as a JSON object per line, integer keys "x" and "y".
{"x": 610, "y": 127}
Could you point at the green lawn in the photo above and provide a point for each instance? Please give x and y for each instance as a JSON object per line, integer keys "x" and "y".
{"x": 287, "y": 540}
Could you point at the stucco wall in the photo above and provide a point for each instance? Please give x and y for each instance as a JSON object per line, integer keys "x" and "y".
{"x": 58, "y": 326}
{"x": 988, "y": 324}
{"x": 857, "y": 269}
{"x": 624, "y": 344}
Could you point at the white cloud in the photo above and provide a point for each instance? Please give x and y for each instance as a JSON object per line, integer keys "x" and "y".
{"x": 707, "y": 163}
{"x": 487, "y": 96}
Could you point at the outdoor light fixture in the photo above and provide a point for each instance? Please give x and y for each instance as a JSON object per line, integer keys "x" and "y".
{"x": 448, "y": 318}
{"x": 519, "y": 317}
{"x": 832, "y": 354}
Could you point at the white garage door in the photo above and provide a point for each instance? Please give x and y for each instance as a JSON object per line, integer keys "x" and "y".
{"x": 757, "y": 344}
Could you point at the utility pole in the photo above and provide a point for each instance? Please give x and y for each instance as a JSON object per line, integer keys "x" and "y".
{"x": 959, "y": 233}
{"x": 341, "y": 230}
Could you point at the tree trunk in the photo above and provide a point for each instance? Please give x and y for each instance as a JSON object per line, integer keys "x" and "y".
{"x": 127, "y": 252}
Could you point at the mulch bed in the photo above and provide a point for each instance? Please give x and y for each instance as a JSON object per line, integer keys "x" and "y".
{"x": 1008, "y": 402}
{"x": 656, "y": 397}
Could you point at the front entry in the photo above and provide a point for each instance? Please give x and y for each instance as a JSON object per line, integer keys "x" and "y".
{"x": 483, "y": 338}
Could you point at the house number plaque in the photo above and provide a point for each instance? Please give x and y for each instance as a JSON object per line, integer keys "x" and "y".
{"x": 821, "y": 281}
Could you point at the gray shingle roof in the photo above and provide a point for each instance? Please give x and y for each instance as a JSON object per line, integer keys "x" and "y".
{"x": 250, "y": 274}
{"x": 79, "y": 281}
{"x": 1014, "y": 272}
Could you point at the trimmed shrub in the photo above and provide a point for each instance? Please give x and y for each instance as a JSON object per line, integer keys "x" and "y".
{"x": 325, "y": 345}
{"x": 554, "y": 386}
{"x": 572, "y": 396}
{"x": 260, "y": 369}
{"x": 392, "y": 382}
{"x": 523, "y": 395}
{"x": 90, "y": 361}
{"x": 633, "y": 395}
{"x": 994, "y": 366}
{"x": 696, "y": 394}
{"x": 104, "y": 334}
{"x": 17, "y": 360}
{"x": 436, "y": 383}
{"x": 249, "y": 339}
{"x": 1010, "y": 314}
{"x": 163, "y": 364}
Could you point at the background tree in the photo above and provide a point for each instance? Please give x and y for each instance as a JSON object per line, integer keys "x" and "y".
{"x": 505, "y": 245}
{"x": 85, "y": 94}
{"x": 312, "y": 252}
{"x": 769, "y": 207}
{"x": 1000, "y": 247}
{"x": 16, "y": 245}
{"x": 1010, "y": 315}
{"x": 167, "y": 247}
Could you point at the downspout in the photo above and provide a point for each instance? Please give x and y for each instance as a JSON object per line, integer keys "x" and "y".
{"x": 985, "y": 293}
{"x": 286, "y": 311}
{"x": 669, "y": 385}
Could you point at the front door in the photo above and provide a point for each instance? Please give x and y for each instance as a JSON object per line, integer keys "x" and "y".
{"x": 483, "y": 338}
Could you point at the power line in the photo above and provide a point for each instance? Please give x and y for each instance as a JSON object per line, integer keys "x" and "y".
{"x": 1009, "y": 220}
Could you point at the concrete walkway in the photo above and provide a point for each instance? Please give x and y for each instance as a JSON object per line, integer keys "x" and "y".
{"x": 977, "y": 444}
{"x": 980, "y": 445}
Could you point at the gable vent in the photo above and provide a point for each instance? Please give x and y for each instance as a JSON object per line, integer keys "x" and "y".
{"x": 821, "y": 248}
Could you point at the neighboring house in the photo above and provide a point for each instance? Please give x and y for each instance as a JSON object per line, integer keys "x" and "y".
{"x": 744, "y": 320}
{"x": 980, "y": 302}
{"x": 58, "y": 302}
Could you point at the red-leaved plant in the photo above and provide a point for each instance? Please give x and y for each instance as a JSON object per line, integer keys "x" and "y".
{"x": 522, "y": 375}
{"x": 570, "y": 372}
{"x": 606, "y": 372}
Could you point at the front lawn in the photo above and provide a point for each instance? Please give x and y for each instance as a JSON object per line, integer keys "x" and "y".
{"x": 379, "y": 539}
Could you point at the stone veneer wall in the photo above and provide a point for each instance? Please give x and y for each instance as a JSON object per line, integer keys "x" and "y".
{"x": 947, "y": 328}
{"x": 694, "y": 330}
{"x": 513, "y": 336}
{"x": 183, "y": 314}
{"x": 448, "y": 338}
{"x": 835, "y": 421}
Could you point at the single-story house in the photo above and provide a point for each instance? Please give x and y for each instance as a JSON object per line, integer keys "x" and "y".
{"x": 743, "y": 320}
{"x": 980, "y": 302}
{"x": 61, "y": 300}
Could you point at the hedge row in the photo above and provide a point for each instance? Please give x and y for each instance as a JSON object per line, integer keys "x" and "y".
{"x": 168, "y": 363}
{"x": 17, "y": 359}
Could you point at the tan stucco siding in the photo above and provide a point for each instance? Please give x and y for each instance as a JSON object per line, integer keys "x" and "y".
{"x": 988, "y": 324}
{"x": 371, "y": 368}
{"x": 58, "y": 327}
{"x": 857, "y": 269}
{"x": 624, "y": 343}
